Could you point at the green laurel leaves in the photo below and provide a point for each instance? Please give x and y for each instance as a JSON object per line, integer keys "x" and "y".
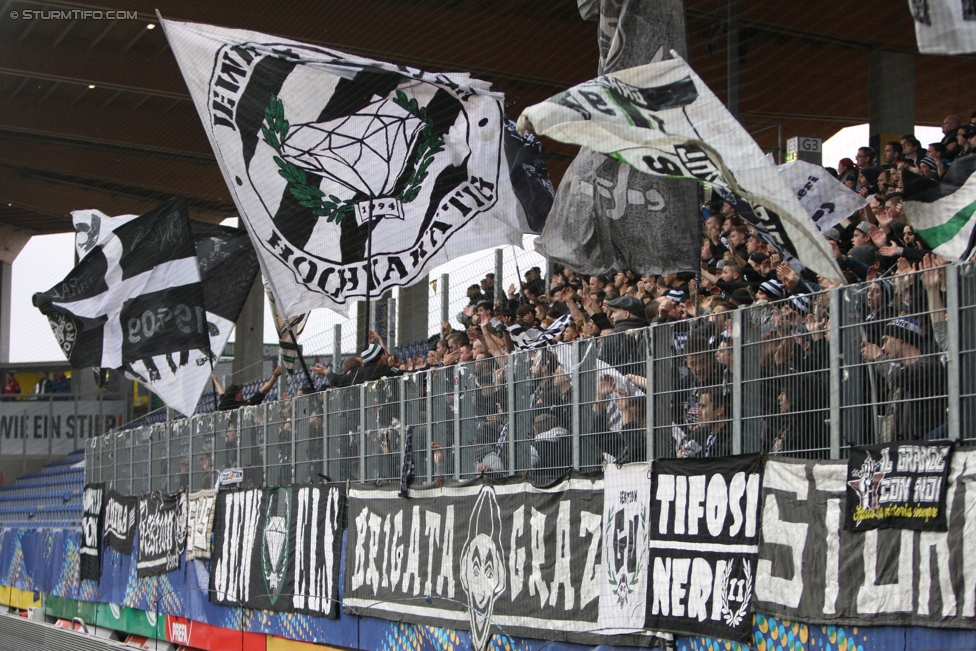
{"x": 430, "y": 145}
{"x": 275, "y": 131}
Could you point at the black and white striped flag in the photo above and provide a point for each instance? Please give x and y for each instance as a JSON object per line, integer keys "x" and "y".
{"x": 227, "y": 265}
{"x": 135, "y": 295}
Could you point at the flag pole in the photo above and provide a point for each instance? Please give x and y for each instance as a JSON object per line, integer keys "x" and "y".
{"x": 298, "y": 351}
{"x": 369, "y": 269}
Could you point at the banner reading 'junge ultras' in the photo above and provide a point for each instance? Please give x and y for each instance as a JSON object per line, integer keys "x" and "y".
{"x": 485, "y": 557}
{"x": 897, "y": 485}
{"x": 278, "y": 549}
{"x": 704, "y": 541}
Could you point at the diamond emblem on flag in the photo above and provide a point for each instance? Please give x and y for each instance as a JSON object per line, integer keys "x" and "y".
{"x": 275, "y": 535}
{"x": 365, "y": 151}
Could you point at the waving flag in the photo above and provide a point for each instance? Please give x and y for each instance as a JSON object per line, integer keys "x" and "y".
{"x": 227, "y": 266}
{"x": 662, "y": 119}
{"x": 606, "y": 215}
{"x": 826, "y": 200}
{"x": 135, "y": 295}
{"x": 336, "y": 160}
{"x": 942, "y": 213}
{"x": 944, "y": 26}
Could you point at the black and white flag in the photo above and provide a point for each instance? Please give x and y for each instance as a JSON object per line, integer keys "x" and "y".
{"x": 162, "y": 533}
{"x": 120, "y": 521}
{"x": 704, "y": 545}
{"x": 334, "y": 160}
{"x": 662, "y": 119}
{"x": 897, "y": 485}
{"x": 626, "y": 545}
{"x": 826, "y": 200}
{"x": 530, "y": 177}
{"x": 607, "y": 215}
{"x": 134, "y": 296}
{"x": 278, "y": 549}
{"x": 90, "y": 549}
{"x": 227, "y": 265}
{"x": 199, "y": 523}
{"x": 944, "y": 26}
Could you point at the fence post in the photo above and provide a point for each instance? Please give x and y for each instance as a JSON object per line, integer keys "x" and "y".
{"x": 835, "y": 374}
{"x": 429, "y": 407}
{"x": 649, "y": 394}
{"x": 953, "y": 366}
{"x": 337, "y": 348}
{"x": 576, "y": 403}
{"x": 403, "y": 420}
{"x": 456, "y": 445}
{"x": 391, "y": 324}
{"x": 362, "y": 432}
{"x": 510, "y": 402}
{"x": 445, "y": 300}
{"x": 264, "y": 443}
{"x": 294, "y": 435}
{"x": 499, "y": 273}
{"x": 737, "y": 382}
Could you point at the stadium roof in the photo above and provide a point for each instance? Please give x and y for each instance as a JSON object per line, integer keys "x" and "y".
{"x": 95, "y": 114}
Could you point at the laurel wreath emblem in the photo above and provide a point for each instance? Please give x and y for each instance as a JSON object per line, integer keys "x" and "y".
{"x": 624, "y": 588}
{"x": 733, "y": 619}
{"x": 275, "y": 130}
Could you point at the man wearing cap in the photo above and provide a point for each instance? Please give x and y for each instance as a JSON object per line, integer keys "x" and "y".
{"x": 879, "y": 309}
{"x": 619, "y": 349}
{"x": 914, "y": 382}
{"x": 862, "y": 235}
{"x": 233, "y": 397}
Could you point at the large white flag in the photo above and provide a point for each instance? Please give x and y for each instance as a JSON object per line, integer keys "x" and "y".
{"x": 335, "y": 159}
{"x": 826, "y": 200}
{"x": 944, "y": 26}
{"x": 662, "y": 119}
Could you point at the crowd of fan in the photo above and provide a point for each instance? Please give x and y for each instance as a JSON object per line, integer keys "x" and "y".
{"x": 899, "y": 325}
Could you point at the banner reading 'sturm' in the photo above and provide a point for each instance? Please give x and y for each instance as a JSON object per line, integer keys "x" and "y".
{"x": 335, "y": 159}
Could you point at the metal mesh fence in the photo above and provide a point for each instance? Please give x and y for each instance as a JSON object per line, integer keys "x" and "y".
{"x": 808, "y": 376}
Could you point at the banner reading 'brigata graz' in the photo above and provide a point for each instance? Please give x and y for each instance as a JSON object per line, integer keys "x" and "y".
{"x": 813, "y": 570}
{"x": 335, "y": 159}
{"x": 278, "y": 549}
{"x": 704, "y": 535}
{"x": 486, "y": 557}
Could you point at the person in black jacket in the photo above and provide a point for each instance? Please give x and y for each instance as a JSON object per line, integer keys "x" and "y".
{"x": 233, "y": 397}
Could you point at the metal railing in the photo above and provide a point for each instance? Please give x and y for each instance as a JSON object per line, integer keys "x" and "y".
{"x": 879, "y": 361}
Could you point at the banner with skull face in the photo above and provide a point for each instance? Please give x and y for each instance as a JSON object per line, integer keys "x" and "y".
{"x": 501, "y": 557}
{"x": 352, "y": 175}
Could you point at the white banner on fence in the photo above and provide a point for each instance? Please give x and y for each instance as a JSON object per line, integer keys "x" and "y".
{"x": 55, "y": 427}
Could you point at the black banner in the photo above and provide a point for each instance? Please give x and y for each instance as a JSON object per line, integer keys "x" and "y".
{"x": 484, "y": 557}
{"x": 120, "y": 521}
{"x": 162, "y": 533}
{"x": 811, "y": 569}
{"x": 90, "y": 549}
{"x": 704, "y": 544}
{"x": 898, "y": 486}
{"x": 279, "y": 549}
